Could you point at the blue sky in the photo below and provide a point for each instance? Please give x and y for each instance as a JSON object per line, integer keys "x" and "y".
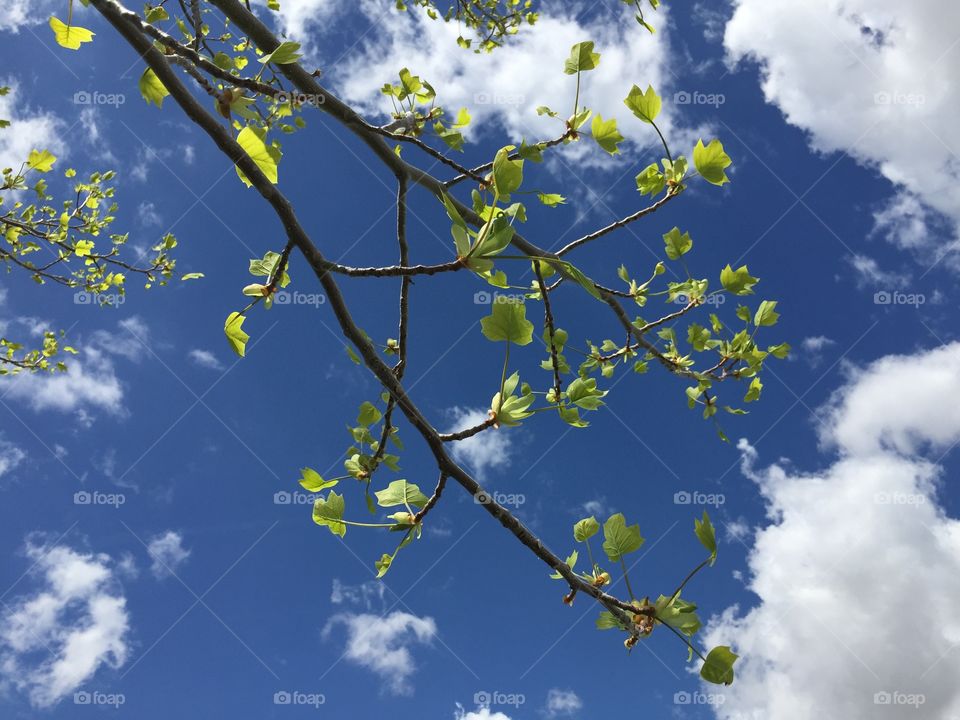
{"x": 838, "y": 495}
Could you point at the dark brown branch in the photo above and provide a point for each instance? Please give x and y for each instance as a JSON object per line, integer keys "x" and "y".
{"x": 469, "y": 432}
{"x": 618, "y": 224}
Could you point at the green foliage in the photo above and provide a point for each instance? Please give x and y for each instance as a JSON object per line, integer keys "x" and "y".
{"x": 508, "y": 321}
{"x": 711, "y": 162}
{"x": 619, "y": 539}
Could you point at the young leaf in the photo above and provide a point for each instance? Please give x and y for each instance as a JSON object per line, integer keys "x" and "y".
{"x": 69, "y": 36}
{"x": 586, "y": 528}
{"x": 312, "y": 482}
{"x": 677, "y": 244}
{"x": 285, "y": 54}
{"x": 582, "y": 57}
{"x": 718, "y": 668}
{"x": 706, "y": 535}
{"x": 41, "y": 160}
{"x": 620, "y": 539}
{"x": 739, "y": 281}
{"x": 401, "y": 492}
{"x": 508, "y": 321}
{"x": 606, "y": 134}
{"x": 369, "y": 414}
{"x": 233, "y": 328}
{"x": 571, "y": 561}
{"x": 645, "y": 105}
{"x": 265, "y": 157}
{"x": 151, "y": 88}
{"x": 507, "y": 173}
{"x": 766, "y": 314}
{"x": 329, "y": 512}
{"x": 711, "y": 162}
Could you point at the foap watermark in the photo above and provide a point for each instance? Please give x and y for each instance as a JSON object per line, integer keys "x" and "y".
{"x": 95, "y": 97}
{"x": 483, "y": 497}
{"x": 716, "y": 299}
{"x": 84, "y": 697}
{"x": 498, "y": 98}
{"x": 899, "y": 98}
{"x": 284, "y": 297}
{"x": 282, "y": 497}
{"x": 695, "y": 497}
{"x": 696, "y": 97}
{"x": 896, "y": 697}
{"x": 82, "y": 297}
{"x": 487, "y": 699}
{"x": 899, "y": 498}
{"x": 484, "y": 297}
{"x": 697, "y": 698}
{"x": 299, "y": 98}
{"x": 295, "y": 697}
{"x": 896, "y": 297}
{"x": 95, "y": 497}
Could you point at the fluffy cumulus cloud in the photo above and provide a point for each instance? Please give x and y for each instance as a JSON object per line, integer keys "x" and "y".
{"x": 10, "y": 456}
{"x": 299, "y": 18}
{"x": 876, "y": 79}
{"x": 481, "y": 713}
{"x": 858, "y": 572}
{"x": 483, "y": 452}
{"x": 91, "y": 382}
{"x": 383, "y": 644}
{"x": 507, "y": 86}
{"x": 19, "y": 14}
{"x": 167, "y": 554}
{"x": 53, "y": 641}
{"x": 29, "y": 128}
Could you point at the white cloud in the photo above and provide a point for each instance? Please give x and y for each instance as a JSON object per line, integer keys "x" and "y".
{"x": 484, "y": 451}
{"x": 53, "y": 641}
{"x": 10, "y": 456}
{"x": 507, "y": 85}
{"x": 482, "y": 713}
{"x": 873, "y": 78}
{"x": 382, "y": 644}
{"x": 362, "y": 595}
{"x": 148, "y": 215}
{"x": 869, "y": 273}
{"x": 858, "y": 573}
{"x": 167, "y": 554}
{"x": 298, "y": 18}
{"x": 206, "y": 359}
{"x": 91, "y": 381}
{"x": 562, "y": 702}
{"x": 20, "y": 13}
{"x": 29, "y": 129}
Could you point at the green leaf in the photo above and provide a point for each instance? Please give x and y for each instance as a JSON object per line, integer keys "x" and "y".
{"x": 507, "y": 173}
{"x": 69, "y": 36}
{"x": 645, "y": 105}
{"x": 508, "y": 321}
{"x": 608, "y": 621}
{"x": 718, "y": 668}
{"x": 401, "y": 492}
{"x": 705, "y": 533}
{"x": 264, "y": 156}
{"x": 41, "y": 160}
{"x": 237, "y": 338}
{"x": 157, "y": 14}
{"x": 586, "y": 528}
{"x": 678, "y": 614}
{"x": 551, "y": 199}
{"x": 582, "y": 280}
{"x": 753, "y": 392}
{"x": 571, "y": 561}
{"x": 620, "y": 539}
{"x": 766, "y": 314}
{"x": 677, "y": 244}
{"x": 711, "y": 161}
{"x": 151, "y": 88}
{"x": 739, "y": 281}
{"x": 285, "y": 54}
{"x": 329, "y": 512}
{"x": 582, "y": 57}
{"x": 369, "y": 414}
{"x": 651, "y": 181}
{"x": 312, "y": 482}
{"x": 192, "y": 276}
{"x": 606, "y": 134}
